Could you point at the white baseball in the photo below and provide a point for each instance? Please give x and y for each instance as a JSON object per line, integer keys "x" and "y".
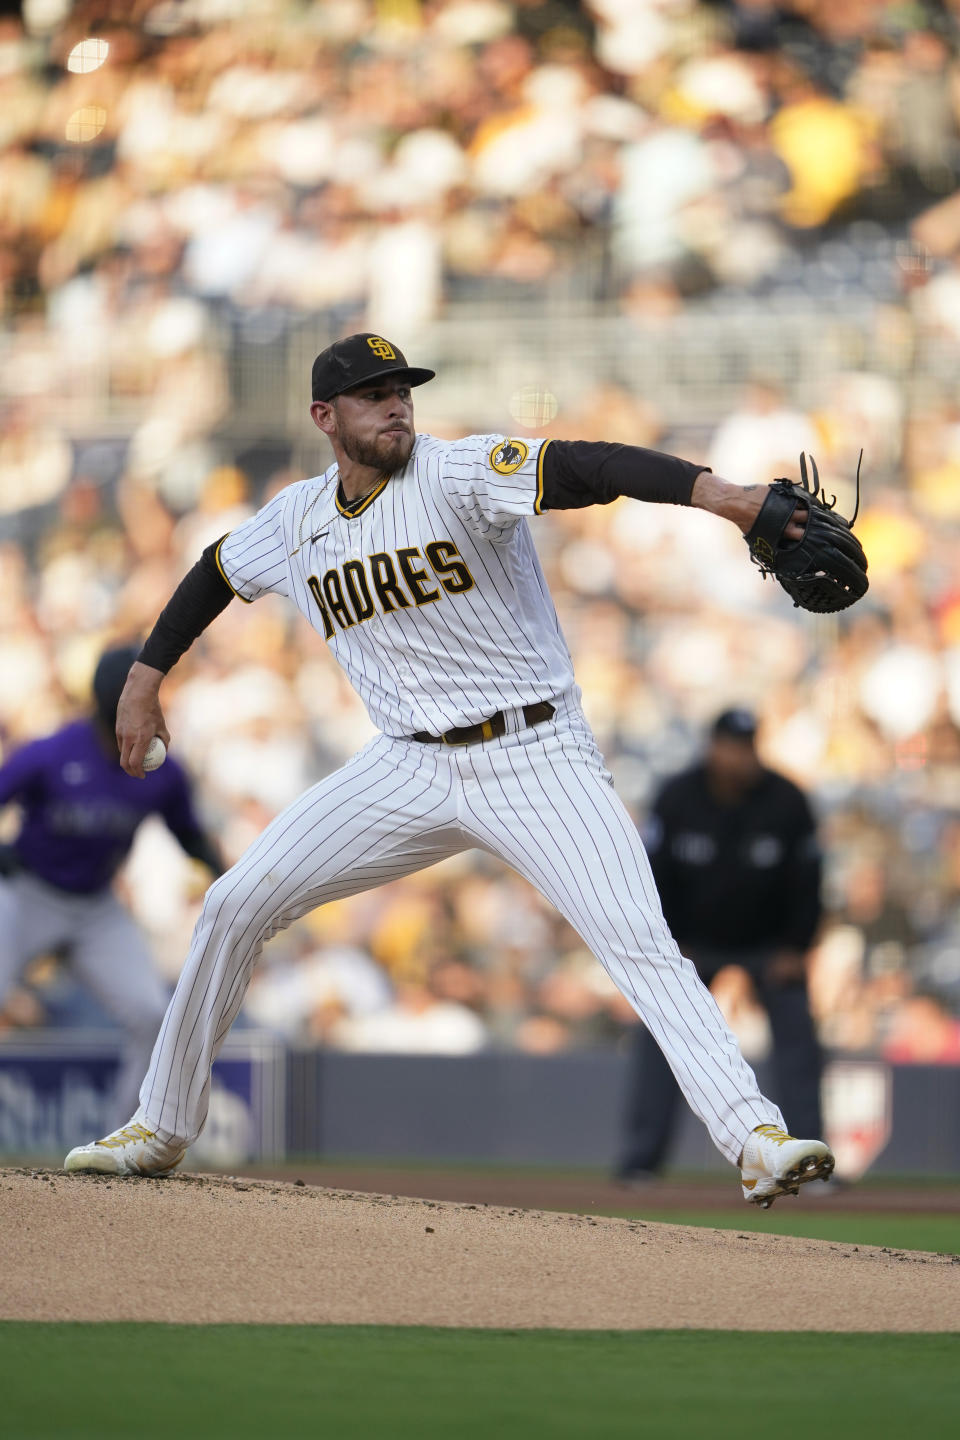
{"x": 155, "y": 755}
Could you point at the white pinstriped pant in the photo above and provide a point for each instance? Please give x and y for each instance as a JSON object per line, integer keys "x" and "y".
{"x": 540, "y": 798}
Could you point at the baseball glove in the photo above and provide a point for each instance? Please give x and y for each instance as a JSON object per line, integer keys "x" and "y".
{"x": 826, "y": 569}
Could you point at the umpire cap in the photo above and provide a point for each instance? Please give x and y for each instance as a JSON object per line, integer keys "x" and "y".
{"x": 358, "y": 359}
{"x": 109, "y": 679}
{"x": 738, "y": 723}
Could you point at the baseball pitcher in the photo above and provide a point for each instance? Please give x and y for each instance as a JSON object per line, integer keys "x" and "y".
{"x": 414, "y": 558}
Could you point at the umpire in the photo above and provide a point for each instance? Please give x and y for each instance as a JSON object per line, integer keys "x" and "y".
{"x": 734, "y": 852}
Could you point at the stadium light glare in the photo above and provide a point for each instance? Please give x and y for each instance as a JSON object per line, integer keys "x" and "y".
{"x": 88, "y": 55}
{"x": 85, "y": 124}
{"x": 532, "y": 406}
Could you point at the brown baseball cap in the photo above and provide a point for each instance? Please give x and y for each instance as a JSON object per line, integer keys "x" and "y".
{"x": 738, "y": 723}
{"x": 357, "y": 360}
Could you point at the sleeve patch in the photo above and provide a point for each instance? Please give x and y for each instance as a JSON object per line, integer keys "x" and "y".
{"x": 507, "y": 456}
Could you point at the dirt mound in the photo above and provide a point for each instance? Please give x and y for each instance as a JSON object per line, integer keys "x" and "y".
{"x": 204, "y": 1248}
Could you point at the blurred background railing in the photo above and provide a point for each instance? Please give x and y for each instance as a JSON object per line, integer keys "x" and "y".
{"x": 692, "y": 369}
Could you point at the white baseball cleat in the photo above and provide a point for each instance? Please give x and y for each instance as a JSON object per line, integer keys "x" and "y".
{"x": 774, "y": 1163}
{"x": 132, "y": 1150}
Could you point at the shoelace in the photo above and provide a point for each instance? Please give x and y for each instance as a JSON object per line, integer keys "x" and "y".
{"x": 130, "y": 1132}
{"x": 774, "y": 1133}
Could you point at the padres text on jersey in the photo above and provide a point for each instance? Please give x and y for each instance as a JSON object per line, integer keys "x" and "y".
{"x": 430, "y": 592}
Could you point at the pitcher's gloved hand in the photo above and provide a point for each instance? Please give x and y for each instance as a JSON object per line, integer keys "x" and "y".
{"x": 824, "y": 571}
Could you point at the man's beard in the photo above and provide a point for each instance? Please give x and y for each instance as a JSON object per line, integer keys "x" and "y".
{"x": 386, "y": 453}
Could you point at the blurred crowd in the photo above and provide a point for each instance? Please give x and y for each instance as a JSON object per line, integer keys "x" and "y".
{"x": 387, "y": 156}
{"x": 170, "y": 168}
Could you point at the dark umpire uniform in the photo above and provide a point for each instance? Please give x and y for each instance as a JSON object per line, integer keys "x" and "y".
{"x": 735, "y": 856}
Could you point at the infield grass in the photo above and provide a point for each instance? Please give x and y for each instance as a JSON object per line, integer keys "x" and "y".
{"x": 898, "y": 1232}
{"x": 72, "y": 1380}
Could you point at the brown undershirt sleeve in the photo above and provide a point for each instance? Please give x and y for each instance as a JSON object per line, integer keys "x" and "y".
{"x": 591, "y": 472}
{"x": 198, "y": 599}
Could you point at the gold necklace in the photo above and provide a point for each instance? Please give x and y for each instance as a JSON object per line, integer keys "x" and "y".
{"x": 303, "y": 519}
{"x": 355, "y": 501}
{"x": 357, "y": 498}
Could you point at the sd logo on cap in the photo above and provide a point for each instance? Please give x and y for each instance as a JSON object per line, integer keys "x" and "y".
{"x": 357, "y": 360}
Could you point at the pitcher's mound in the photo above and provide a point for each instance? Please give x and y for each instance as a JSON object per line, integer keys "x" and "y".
{"x": 200, "y": 1248}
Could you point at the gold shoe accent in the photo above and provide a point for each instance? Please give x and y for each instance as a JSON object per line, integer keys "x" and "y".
{"x": 774, "y": 1133}
{"x": 121, "y": 1137}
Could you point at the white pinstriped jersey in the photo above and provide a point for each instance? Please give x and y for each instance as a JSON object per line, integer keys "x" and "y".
{"x": 430, "y": 593}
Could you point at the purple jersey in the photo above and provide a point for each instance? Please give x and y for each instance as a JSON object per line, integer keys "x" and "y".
{"x": 81, "y": 811}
